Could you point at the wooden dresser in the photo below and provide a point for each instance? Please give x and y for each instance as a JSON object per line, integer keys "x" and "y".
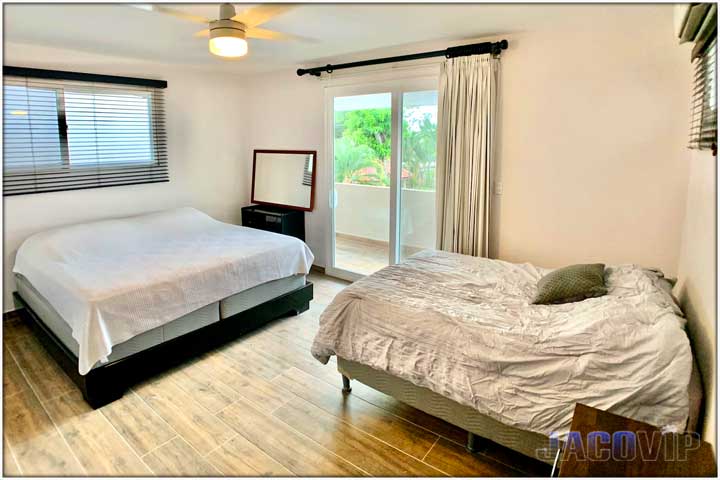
{"x": 275, "y": 219}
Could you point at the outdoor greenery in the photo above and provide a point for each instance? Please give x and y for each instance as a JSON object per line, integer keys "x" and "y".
{"x": 369, "y": 127}
{"x": 419, "y": 146}
{"x": 363, "y": 144}
{"x": 351, "y": 159}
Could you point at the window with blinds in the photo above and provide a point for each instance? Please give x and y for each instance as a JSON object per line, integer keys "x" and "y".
{"x": 308, "y": 171}
{"x": 699, "y": 26}
{"x": 703, "y": 126}
{"x": 68, "y": 131}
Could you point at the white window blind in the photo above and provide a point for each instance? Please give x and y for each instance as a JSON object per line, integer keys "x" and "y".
{"x": 703, "y": 124}
{"x": 699, "y": 26}
{"x": 67, "y": 131}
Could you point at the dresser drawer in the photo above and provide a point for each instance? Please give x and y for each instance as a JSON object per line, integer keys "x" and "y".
{"x": 287, "y": 222}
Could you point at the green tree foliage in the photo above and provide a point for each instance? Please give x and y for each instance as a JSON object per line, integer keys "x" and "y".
{"x": 362, "y": 140}
{"x": 369, "y": 127}
{"x": 350, "y": 159}
{"x": 419, "y": 139}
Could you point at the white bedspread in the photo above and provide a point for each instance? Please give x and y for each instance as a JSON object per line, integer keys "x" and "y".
{"x": 464, "y": 327}
{"x": 112, "y": 280}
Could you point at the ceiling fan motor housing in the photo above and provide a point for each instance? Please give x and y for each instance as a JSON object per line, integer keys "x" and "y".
{"x": 227, "y": 28}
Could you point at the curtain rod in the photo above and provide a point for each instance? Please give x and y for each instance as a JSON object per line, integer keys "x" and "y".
{"x": 85, "y": 77}
{"x": 459, "y": 51}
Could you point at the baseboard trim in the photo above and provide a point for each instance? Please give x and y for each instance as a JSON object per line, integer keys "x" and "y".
{"x": 368, "y": 241}
{"x": 317, "y": 269}
{"x": 12, "y": 316}
{"x": 410, "y": 249}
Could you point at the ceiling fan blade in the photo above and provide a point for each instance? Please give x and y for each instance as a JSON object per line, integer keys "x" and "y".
{"x": 264, "y": 34}
{"x": 202, "y": 33}
{"x": 254, "y": 16}
{"x": 169, "y": 11}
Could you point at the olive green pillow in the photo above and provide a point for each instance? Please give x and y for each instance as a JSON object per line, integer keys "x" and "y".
{"x": 571, "y": 284}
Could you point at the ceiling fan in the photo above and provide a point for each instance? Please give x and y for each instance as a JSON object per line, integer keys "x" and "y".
{"x": 229, "y": 32}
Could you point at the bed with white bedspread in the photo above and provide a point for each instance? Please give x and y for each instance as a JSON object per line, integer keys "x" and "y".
{"x": 112, "y": 280}
{"x": 465, "y": 328}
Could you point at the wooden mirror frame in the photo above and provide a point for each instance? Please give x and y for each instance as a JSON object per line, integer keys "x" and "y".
{"x": 312, "y": 187}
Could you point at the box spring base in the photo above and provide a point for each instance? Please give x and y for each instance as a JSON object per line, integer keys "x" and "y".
{"x": 109, "y": 381}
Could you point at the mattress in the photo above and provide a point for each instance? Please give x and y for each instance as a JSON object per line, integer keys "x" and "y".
{"x": 466, "y": 328}
{"x": 113, "y": 280}
{"x": 187, "y": 323}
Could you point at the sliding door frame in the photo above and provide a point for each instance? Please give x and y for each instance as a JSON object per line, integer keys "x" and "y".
{"x": 428, "y": 80}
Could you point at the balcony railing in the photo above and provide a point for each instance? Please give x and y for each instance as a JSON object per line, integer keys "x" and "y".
{"x": 363, "y": 211}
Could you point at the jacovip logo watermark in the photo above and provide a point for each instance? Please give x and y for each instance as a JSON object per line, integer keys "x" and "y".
{"x": 623, "y": 445}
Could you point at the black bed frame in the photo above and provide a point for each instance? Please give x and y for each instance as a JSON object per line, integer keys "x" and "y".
{"x": 108, "y": 382}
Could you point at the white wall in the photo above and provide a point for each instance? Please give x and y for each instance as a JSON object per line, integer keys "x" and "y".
{"x": 697, "y": 287}
{"x": 285, "y": 112}
{"x": 591, "y": 151}
{"x": 593, "y": 143}
{"x": 206, "y": 159}
{"x": 363, "y": 211}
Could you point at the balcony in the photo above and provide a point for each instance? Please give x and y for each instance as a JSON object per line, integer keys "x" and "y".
{"x": 362, "y": 225}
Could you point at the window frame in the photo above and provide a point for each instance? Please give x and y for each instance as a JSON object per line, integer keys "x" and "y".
{"x": 396, "y": 83}
{"x": 709, "y": 94}
{"x": 65, "y": 134}
{"x": 91, "y": 169}
{"x": 62, "y": 135}
{"x": 109, "y": 165}
{"x": 704, "y": 111}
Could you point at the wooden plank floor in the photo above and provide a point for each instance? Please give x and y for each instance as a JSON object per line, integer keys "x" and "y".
{"x": 364, "y": 255}
{"x": 260, "y": 406}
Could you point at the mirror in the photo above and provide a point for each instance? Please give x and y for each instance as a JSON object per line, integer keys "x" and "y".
{"x": 284, "y": 178}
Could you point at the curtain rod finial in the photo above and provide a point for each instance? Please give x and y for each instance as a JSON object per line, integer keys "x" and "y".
{"x": 497, "y": 47}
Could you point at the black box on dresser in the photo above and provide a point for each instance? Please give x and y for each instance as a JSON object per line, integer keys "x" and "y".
{"x": 275, "y": 219}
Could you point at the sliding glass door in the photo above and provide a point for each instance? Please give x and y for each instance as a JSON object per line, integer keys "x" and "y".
{"x": 417, "y": 183}
{"x": 382, "y": 141}
{"x": 362, "y": 146}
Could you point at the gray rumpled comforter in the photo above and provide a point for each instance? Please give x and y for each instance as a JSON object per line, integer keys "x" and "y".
{"x": 465, "y": 328}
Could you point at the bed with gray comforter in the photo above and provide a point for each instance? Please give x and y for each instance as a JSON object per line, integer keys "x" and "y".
{"x": 465, "y": 328}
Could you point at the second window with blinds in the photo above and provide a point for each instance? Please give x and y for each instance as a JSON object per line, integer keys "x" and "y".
{"x": 67, "y": 135}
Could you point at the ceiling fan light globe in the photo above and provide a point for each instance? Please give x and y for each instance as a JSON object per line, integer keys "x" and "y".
{"x": 228, "y": 46}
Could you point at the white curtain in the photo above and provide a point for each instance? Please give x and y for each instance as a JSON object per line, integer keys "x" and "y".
{"x": 467, "y": 107}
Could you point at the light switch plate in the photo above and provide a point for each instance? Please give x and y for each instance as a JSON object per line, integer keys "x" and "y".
{"x": 498, "y": 187}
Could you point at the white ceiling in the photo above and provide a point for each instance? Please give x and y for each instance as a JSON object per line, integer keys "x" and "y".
{"x": 337, "y": 30}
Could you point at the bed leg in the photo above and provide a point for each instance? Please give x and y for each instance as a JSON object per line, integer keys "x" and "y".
{"x": 473, "y": 443}
{"x": 304, "y": 308}
{"x": 346, "y": 385}
{"x": 100, "y": 399}
{"x": 99, "y": 388}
